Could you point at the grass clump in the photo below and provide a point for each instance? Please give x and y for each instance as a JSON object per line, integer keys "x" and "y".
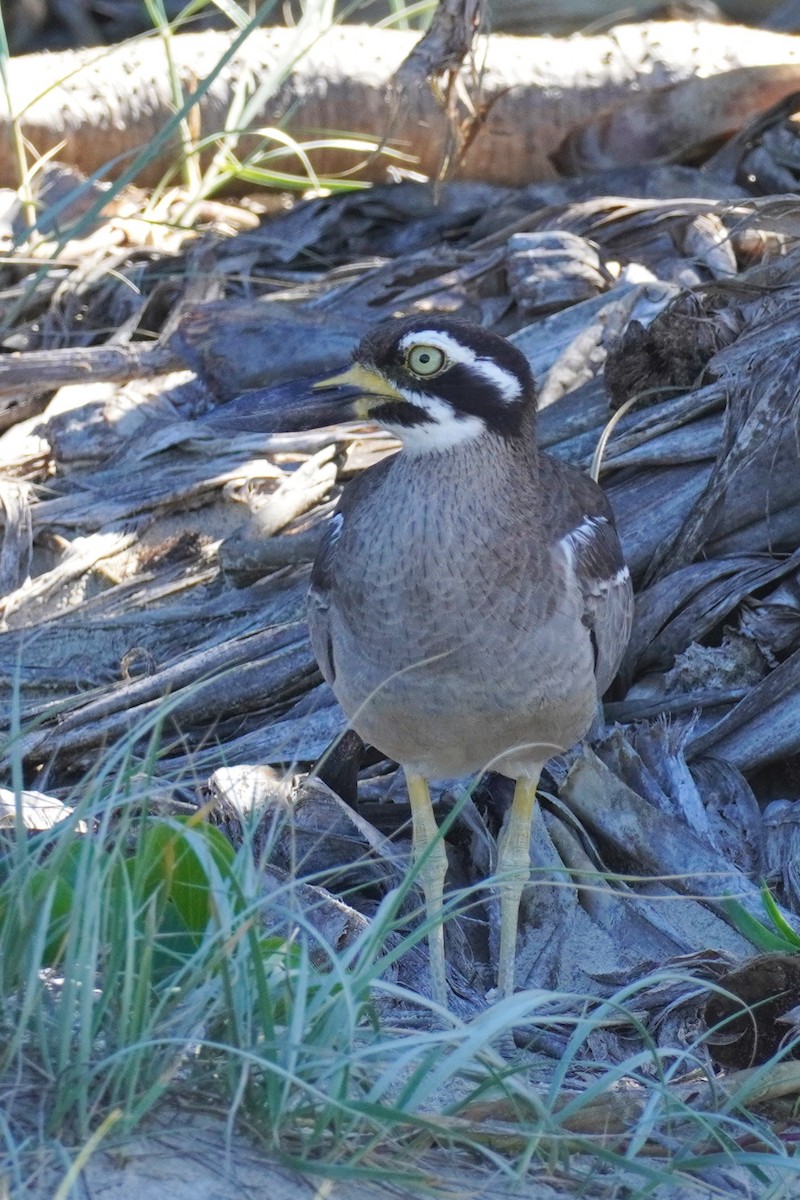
{"x": 142, "y": 960}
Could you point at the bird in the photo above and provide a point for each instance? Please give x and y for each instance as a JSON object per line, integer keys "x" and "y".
{"x": 469, "y": 603}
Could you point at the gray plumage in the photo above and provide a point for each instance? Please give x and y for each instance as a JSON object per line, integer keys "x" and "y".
{"x": 469, "y": 602}
{"x": 469, "y": 607}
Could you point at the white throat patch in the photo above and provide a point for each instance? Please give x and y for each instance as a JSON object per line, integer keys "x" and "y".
{"x": 442, "y": 432}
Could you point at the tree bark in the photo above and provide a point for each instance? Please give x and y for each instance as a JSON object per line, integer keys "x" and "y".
{"x": 532, "y": 93}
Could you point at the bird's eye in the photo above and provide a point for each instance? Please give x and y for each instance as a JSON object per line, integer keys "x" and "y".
{"x": 426, "y": 360}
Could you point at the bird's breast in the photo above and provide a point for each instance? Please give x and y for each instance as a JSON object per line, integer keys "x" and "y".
{"x": 446, "y": 644}
{"x": 440, "y": 579}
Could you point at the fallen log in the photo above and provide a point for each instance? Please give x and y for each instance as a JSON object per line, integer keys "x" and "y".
{"x": 530, "y": 93}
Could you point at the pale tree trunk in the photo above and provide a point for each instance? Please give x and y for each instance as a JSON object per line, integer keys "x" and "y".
{"x": 532, "y": 92}
{"x": 556, "y": 16}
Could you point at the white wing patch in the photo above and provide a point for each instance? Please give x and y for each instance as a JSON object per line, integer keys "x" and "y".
{"x": 582, "y": 539}
{"x": 622, "y": 576}
{"x": 335, "y": 528}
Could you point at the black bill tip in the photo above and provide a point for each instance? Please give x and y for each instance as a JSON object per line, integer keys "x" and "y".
{"x": 283, "y": 408}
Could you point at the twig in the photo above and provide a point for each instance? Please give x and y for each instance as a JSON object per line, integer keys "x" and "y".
{"x": 45, "y": 370}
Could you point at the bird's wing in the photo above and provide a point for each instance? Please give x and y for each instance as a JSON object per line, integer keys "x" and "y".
{"x": 319, "y": 597}
{"x": 587, "y": 539}
{"x": 595, "y": 556}
{"x": 327, "y": 575}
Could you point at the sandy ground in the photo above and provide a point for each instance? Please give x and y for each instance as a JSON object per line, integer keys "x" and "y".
{"x": 182, "y": 1155}
{"x": 189, "y": 1156}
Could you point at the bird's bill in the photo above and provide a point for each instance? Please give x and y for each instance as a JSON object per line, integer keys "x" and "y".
{"x": 306, "y": 403}
{"x": 365, "y": 387}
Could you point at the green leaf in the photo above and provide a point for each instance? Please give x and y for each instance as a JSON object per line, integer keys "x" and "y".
{"x": 203, "y": 859}
{"x": 778, "y": 920}
{"x": 754, "y": 931}
{"x": 21, "y": 911}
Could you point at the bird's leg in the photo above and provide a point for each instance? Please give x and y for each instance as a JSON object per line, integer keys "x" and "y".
{"x": 513, "y": 870}
{"x": 431, "y": 876}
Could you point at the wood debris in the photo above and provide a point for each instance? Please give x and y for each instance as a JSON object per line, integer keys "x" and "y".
{"x": 154, "y": 567}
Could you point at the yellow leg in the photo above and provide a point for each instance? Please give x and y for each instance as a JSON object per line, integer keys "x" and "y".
{"x": 513, "y": 870}
{"x": 431, "y": 876}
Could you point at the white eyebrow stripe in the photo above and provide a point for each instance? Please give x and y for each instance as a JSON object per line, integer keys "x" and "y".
{"x": 446, "y": 343}
{"x": 507, "y": 384}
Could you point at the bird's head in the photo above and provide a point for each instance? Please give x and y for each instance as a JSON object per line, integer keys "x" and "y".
{"x": 435, "y": 382}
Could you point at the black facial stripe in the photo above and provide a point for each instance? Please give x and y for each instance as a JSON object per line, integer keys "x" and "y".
{"x": 462, "y": 386}
{"x": 400, "y": 412}
{"x": 469, "y": 394}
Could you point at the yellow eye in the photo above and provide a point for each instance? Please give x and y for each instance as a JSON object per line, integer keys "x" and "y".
{"x": 426, "y": 360}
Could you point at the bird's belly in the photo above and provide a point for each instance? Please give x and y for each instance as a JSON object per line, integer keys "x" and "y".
{"x": 450, "y": 713}
{"x": 467, "y": 743}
